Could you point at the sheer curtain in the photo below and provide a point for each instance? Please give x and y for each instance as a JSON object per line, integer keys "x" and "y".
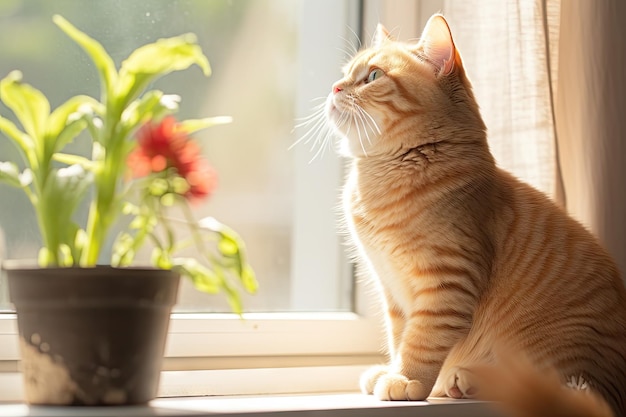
{"x": 511, "y": 58}
{"x": 549, "y": 77}
{"x": 591, "y": 117}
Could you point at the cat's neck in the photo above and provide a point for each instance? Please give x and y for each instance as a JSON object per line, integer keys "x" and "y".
{"x": 422, "y": 165}
{"x": 427, "y": 156}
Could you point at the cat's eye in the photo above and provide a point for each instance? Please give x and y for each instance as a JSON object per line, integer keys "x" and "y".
{"x": 374, "y": 74}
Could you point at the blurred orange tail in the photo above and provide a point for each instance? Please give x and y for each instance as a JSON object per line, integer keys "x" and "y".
{"x": 520, "y": 390}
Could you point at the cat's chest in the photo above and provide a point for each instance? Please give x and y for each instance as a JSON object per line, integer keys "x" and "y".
{"x": 391, "y": 238}
{"x": 379, "y": 219}
{"x": 379, "y": 232}
{"x": 376, "y": 247}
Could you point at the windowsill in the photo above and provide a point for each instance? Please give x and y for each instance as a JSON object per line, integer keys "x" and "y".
{"x": 302, "y": 405}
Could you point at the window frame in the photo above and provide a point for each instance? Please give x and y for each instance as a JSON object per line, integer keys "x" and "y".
{"x": 314, "y": 341}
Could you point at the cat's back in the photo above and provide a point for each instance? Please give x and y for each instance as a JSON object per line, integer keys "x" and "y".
{"x": 535, "y": 237}
{"x": 556, "y": 291}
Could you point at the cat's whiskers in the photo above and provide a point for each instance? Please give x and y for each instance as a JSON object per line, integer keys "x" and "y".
{"x": 324, "y": 144}
{"x": 317, "y": 121}
{"x": 319, "y": 131}
{"x": 351, "y": 48}
{"x": 348, "y": 50}
{"x": 357, "y": 38}
{"x": 360, "y": 122}
{"x": 371, "y": 122}
{"x": 315, "y": 112}
{"x": 368, "y": 122}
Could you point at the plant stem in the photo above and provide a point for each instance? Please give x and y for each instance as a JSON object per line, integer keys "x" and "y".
{"x": 102, "y": 212}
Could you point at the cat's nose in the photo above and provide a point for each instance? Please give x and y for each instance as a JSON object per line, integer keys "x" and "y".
{"x": 336, "y": 88}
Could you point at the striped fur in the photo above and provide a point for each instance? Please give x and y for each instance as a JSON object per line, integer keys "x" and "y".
{"x": 466, "y": 255}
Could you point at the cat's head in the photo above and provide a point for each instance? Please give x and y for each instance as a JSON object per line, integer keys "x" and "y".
{"x": 397, "y": 95}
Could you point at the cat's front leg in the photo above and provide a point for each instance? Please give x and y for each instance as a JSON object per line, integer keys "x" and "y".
{"x": 426, "y": 340}
{"x": 394, "y": 324}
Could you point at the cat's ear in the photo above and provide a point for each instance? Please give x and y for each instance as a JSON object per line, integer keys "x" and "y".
{"x": 381, "y": 35}
{"x": 437, "y": 44}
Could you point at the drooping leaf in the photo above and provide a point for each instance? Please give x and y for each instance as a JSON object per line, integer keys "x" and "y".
{"x": 203, "y": 278}
{"x": 154, "y": 60}
{"x": 193, "y": 125}
{"x": 24, "y": 143}
{"x": 167, "y": 55}
{"x": 161, "y": 259}
{"x": 249, "y": 281}
{"x": 233, "y": 298}
{"x": 103, "y": 62}
{"x": 31, "y": 107}
{"x": 228, "y": 246}
{"x": 233, "y": 250}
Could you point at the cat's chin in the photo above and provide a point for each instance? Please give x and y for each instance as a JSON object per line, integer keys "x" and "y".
{"x": 349, "y": 149}
{"x": 344, "y": 149}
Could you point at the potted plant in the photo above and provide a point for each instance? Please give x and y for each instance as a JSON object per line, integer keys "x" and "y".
{"x": 92, "y": 330}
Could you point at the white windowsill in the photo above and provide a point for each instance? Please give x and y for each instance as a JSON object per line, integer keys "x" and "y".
{"x": 330, "y": 392}
{"x": 303, "y": 405}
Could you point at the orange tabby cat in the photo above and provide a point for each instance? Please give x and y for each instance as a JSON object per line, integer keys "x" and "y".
{"x": 465, "y": 254}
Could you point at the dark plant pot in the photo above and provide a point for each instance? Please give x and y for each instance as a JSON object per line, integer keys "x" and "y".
{"x": 91, "y": 336}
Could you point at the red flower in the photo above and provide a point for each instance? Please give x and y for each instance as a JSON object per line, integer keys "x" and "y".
{"x": 162, "y": 146}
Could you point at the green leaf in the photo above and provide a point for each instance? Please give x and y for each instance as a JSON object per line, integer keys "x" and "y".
{"x": 44, "y": 258}
{"x": 65, "y": 255}
{"x": 203, "y": 279}
{"x": 166, "y": 55}
{"x": 154, "y": 60}
{"x": 129, "y": 208}
{"x": 10, "y": 174}
{"x": 249, "y": 281}
{"x": 141, "y": 110}
{"x": 193, "y": 125}
{"x": 233, "y": 250}
{"x": 68, "y": 120}
{"x": 233, "y": 298}
{"x": 70, "y": 159}
{"x": 60, "y": 196}
{"x": 123, "y": 252}
{"x": 24, "y": 143}
{"x": 153, "y": 105}
{"x": 228, "y": 246}
{"x": 100, "y": 57}
{"x": 29, "y": 105}
{"x": 161, "y": 259}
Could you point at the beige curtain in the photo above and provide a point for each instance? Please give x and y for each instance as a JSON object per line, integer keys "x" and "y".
{"x": 591, "y": 117}
{"x": 550, "y": 79}
{"x": 511, "y": 59}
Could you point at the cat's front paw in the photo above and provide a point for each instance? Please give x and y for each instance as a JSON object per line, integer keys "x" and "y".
{"x": 396, "y": 387}
{"x": 459, "y": 384}
{"x": 370, "y": 377}
{"x": 390, "y": 386}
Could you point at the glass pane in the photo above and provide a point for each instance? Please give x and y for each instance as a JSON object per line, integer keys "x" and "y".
{"x": 255, "y": 50}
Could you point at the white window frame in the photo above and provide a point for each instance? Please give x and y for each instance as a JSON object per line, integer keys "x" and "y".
{"x": 303, "y": 345}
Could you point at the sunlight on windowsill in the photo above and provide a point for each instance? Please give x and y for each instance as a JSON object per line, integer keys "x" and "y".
{"x": 310, "y": 405}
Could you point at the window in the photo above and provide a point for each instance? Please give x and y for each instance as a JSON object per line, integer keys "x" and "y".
{"x": 270, "y": 58}
{"x": 268, "y": 63}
